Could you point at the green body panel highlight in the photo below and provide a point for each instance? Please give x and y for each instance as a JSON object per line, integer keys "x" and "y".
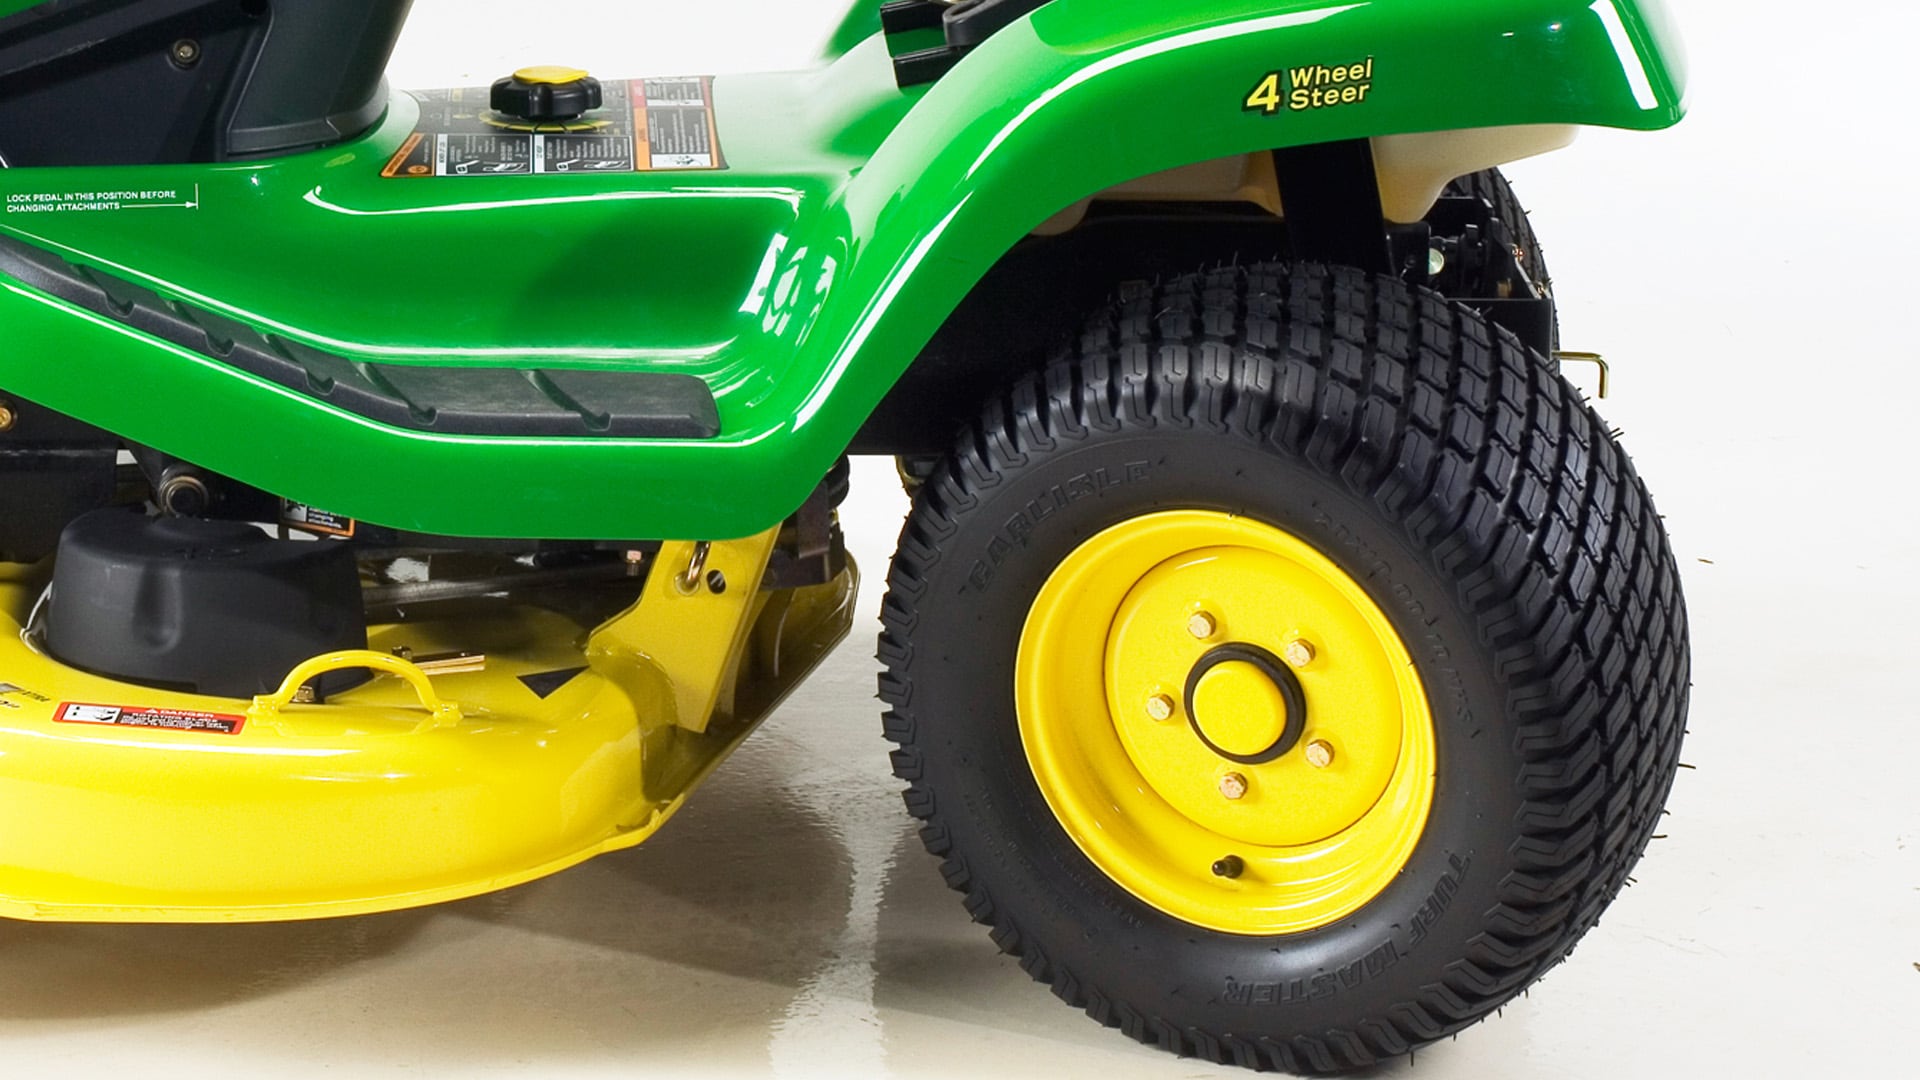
{"x": 861, "y": 22}
{"x": 799, "y": 282}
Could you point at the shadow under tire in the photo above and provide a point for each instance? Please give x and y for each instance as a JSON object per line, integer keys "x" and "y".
{"x": 1474, "y": 503}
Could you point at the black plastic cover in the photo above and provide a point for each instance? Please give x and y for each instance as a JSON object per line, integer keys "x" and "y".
{"x": 52, "y": 469}
{"x": 542, "y": 102}
{"x": 971, "y": 22}
{"x": 967, "y": 24}
{"x": 906, "y": 16}
{"x": 319, "y": 76}
{"x": 211, "y": 607}
{"x": 149, "y": 82}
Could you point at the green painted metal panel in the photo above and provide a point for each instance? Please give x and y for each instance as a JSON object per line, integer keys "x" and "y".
{"x": 861, "y": 22}
{"x": 799, "y": 282}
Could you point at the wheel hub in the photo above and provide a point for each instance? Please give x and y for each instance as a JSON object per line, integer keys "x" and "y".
{"x": 1245, "y": 705}
{"x": 1168, "y": 734}
{"x": 1246, "y": 710}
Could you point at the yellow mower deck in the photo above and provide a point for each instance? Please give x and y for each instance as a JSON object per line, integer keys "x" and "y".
{"x": 372, "y": 802}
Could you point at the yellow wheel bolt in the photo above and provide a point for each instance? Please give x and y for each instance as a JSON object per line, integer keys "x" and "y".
{"x": 1202, "y": 625}
{"x": 1319, "y": 753}
{"x": 1299, "y": 653}
{"x": 1233, "y": 786}
{"x": 1160, "y": 707}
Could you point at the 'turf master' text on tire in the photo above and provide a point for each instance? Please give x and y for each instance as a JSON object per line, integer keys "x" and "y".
{"x": 1291, "y": 676}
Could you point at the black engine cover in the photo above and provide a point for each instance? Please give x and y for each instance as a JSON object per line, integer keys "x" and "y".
{"x": 208, "y": 607}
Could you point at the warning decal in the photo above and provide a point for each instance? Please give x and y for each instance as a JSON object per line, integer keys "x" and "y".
{"x": 83, "y": 201}
{"x": 676, "y": 128}
{"x": 140, "y": 716}
{"x": 646, "y": 125}
{"x": 315, "y": 520}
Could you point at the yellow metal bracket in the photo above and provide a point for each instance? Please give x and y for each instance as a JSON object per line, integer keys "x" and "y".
{"x": 690, "y": 624}
{"x": 1598, "y": 361}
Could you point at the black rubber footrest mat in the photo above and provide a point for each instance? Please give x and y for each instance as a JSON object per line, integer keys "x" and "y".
{"x": 503, "y": 401}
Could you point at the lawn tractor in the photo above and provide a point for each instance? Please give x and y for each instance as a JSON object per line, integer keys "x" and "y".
{"x": 405, "y": 496}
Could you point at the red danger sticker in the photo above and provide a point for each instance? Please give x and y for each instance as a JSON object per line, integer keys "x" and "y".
{"x": 139, "y": 716}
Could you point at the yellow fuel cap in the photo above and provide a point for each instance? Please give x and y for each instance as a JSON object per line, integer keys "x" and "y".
{"x": 550, "y": 75}
{"x": 546, "y": 94}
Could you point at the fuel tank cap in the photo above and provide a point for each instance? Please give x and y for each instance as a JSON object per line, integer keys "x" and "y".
{"x": 546, "y": 93}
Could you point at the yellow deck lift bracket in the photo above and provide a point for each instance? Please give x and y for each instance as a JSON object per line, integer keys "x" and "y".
{"x": 689, "y": 624}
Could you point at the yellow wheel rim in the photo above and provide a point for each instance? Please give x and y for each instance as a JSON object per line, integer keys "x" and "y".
{"x": 1225, "y": 723}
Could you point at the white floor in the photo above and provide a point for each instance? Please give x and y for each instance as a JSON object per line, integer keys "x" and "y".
{"x": 1751, "y": 276}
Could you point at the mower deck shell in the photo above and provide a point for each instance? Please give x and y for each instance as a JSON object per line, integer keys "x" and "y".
{"x": 359, "y": 805}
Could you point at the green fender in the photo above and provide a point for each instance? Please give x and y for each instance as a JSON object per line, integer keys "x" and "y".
{"x": 861, "y": 22}
{"x": 799, "y": 283}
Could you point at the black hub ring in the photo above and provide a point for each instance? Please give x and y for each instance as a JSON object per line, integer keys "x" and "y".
{"x": 1272, "y": 668}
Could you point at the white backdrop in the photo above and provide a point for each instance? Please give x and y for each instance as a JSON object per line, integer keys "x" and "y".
{"x": 1751, "y": 274}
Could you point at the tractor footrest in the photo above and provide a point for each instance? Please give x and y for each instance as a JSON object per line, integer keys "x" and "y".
{"x": 500, "y": 401}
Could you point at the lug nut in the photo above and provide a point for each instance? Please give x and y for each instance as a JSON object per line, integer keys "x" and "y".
{"x": 1233, "y": 786}
{"x": 1299, "y": 652}
{"x": 1202, "y": 625}
{"x": 1319, "y": 753}
{"x": 1160, "y": 707}
{"x": 7, "y": 418}
{"x": 1230, "y": 867}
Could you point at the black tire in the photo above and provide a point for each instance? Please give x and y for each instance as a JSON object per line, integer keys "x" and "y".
{"x": 1491, "y": 186}
{"x": 1485, "y": 508}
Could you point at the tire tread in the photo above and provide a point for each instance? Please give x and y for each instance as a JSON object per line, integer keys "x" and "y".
{"x": 1492, "y": 463}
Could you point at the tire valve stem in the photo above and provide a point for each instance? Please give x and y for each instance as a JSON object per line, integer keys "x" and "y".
{"x": 1230, "y": 867}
